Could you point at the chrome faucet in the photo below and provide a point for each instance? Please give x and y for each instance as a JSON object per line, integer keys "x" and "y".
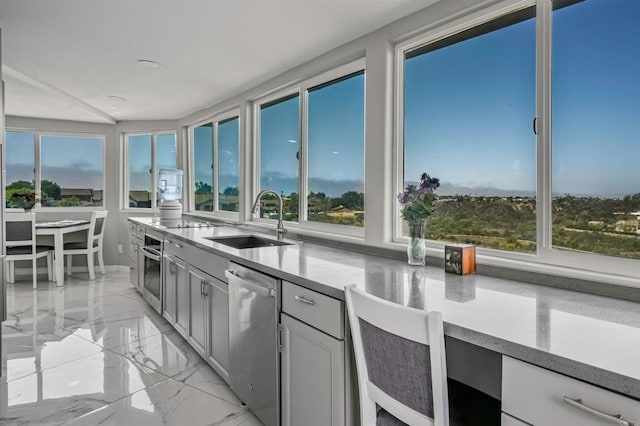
{"x": 280, "y": 230}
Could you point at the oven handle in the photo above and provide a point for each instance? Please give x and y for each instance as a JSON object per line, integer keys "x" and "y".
{"x": 151, "y": 254}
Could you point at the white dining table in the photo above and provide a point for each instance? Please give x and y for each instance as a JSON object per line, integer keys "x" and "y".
{"x": 58, "y": 229}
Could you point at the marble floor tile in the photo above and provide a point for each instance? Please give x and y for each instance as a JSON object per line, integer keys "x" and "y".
{"x": 61, "y": 393}
{"x": 29, "y": 355}
{"x": 167, "y": 403}
{"x": 95, "y": 350}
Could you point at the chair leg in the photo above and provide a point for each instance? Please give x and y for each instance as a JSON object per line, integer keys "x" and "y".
{"x": 7, "y": 271}
{"x": 34, "y": 264}
{"x": 50, "y": 266}
{"x": 69, "y": 264}
{"x": 91, "y": 265}
{"x": 101, "y": 261}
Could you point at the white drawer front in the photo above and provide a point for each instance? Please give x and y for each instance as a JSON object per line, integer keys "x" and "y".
{"x": 322, "y": 312}
{"x": 507, "y": 420}
{"x": 539, "y": 397}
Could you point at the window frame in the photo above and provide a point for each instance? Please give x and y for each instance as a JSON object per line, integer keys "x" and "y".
{"x": 546, "y": 259}
{"x": 215, "y": 120}
{"x": 301, "y": 89}
{"x": 125, "y": 175}
{"x": 37, "y": 162}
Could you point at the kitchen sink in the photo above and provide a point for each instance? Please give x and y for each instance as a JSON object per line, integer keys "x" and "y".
{"x": 247, "y": 241}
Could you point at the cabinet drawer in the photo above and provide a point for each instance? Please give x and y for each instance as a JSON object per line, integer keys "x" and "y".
{"x": 322, "y": 312}
{"x": 176, "y": 247}
{"x": 201, "y": 259}
{"x": 541, "y": 397}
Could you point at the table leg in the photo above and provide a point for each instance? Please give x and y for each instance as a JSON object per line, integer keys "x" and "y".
{"x": 59, "y": 250}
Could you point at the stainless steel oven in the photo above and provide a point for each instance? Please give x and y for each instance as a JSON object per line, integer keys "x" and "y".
{"x": 151, "y": 269}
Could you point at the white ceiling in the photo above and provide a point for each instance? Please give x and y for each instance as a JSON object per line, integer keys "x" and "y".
{"x": 62, "y": 59}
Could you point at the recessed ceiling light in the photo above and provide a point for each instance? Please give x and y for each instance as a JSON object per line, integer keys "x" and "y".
{"x": 149, "y": 64}
{"x": 116, "y": 98}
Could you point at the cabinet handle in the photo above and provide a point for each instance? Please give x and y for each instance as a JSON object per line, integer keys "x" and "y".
{"x": 201, "y": 288}
{"x": 178, "y": 245}
{"x": 305, "y": 300}
{"x": 613, "y": 418}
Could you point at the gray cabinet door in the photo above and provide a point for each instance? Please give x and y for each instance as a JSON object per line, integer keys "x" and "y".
{"x": 198, "y": 310}
{"x": 133, "y": 261}
{"x": 218, "y": 332}
{"x": 169, "y": 291}
{"x": 182, "y": 298}
{"x": 312, "y": 376}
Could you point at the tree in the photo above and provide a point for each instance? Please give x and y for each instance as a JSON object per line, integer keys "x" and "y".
{"x": 203, "y": 188}
{"x": 353, "y": 200}
{"x": 50, "y": 190}
{"x": 230, "y": 191}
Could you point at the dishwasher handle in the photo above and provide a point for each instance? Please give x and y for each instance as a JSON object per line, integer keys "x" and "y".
{"x": 255, "y": 287}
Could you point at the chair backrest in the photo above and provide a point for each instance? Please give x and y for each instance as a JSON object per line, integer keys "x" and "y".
{"x": 96, "y": 227}
{"x": 400, "y": 360}
{"x": 20, "y": 230}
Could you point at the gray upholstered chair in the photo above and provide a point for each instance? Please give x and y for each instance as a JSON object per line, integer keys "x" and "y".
{"x": 20, "y": 238}
{"x": 90, "y": 247}
{"x": 400, "y": 361}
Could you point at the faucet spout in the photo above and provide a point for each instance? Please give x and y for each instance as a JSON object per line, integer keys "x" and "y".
{"x": 280, "y": 229}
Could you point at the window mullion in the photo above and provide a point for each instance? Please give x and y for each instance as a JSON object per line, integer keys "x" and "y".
{"x": 543, "y": 124}
{"x": 215, "y": 190}
{"x": 36, "y": 167}
{"x": 154, "y": 172}
{"x": 303, "y": 162}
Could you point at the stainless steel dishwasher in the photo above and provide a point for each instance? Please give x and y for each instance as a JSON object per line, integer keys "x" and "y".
{"x": 254, "y": 368}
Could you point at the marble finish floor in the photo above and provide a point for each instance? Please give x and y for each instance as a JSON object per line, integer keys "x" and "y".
{"x": 94, "y": 352}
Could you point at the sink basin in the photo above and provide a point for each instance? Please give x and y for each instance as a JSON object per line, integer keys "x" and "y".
{"x": 247, "y": 241}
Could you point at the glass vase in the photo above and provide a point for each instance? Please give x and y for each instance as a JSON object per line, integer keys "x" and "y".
{"x": 416, "y": 250}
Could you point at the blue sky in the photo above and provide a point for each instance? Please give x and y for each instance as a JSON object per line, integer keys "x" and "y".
{"x": 60, "y": 155}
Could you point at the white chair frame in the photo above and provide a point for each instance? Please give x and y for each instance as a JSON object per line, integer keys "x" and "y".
{"x": 413, "y": 324}
{"x": 33, "y": 256}
{"x": 92, "y": 248}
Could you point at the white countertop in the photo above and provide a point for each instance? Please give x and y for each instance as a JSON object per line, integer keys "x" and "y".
{"x": 593, "y": 338}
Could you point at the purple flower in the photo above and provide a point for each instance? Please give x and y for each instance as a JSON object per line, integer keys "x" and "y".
{"x": 417, "y": 200}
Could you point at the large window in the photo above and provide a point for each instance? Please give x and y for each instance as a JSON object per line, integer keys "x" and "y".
{"x": 279, "y": 153}
{"x": 595, "y": 139}
{"x": 335, "y": 137}
{"x": 215, "y": 163}
{"x": 317, "y": 164}
{"x": 536, "y": 146}
{"x": 469, "y": 102}
{"x": 146, "y": 154}
{"x": 70, "y": 171}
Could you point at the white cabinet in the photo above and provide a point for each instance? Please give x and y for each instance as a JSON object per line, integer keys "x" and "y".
{"x": 182, "y": 299}
{"x": 136, "y": 258}
{"x": 543, "y": 398}
{"x": 312, "y": 376}
{"x": 198, "y": 309}
{"x": 313, "y": 358}
{"x": 208, "y": 330}
{"x": 218, "y": 326}
{"x": 174, "y": 277}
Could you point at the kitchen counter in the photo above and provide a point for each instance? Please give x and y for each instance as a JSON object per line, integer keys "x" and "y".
{"x": 592, "y": 338}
